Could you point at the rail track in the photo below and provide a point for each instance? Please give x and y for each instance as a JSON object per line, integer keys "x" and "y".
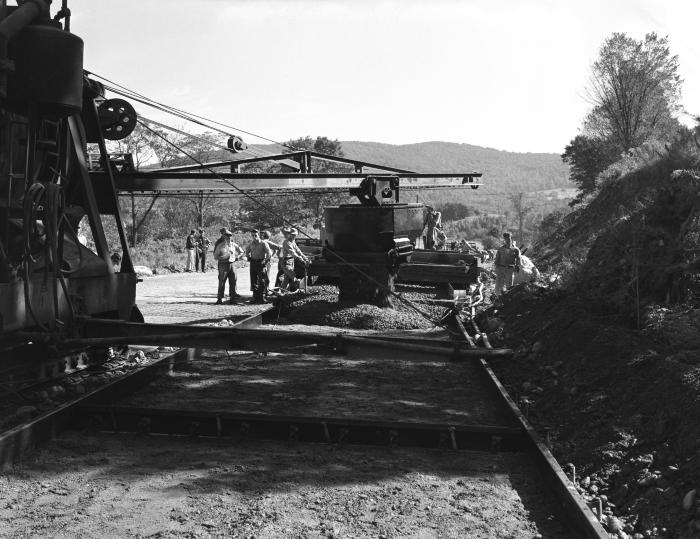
{"x": 433, "y": 394}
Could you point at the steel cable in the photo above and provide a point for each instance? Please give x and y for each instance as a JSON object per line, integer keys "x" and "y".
{"x": 266, "y": 208}
{"x": 188, "y": 116}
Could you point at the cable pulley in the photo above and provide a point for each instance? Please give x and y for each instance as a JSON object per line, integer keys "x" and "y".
{"x": 236, "y": 144}
{"x": 117, "y": 118}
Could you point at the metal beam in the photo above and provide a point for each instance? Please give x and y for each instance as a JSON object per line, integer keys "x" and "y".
{"x": 280, "y": 158}
{"x": 113, "y": 332}
{"x": 206, "y": 181}
{"x": 285, "y": 159}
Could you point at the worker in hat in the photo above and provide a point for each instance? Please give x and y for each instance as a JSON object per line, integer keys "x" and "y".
{"x": 226, "y": 252}
{"x": 259, "y": 254}
{"x": 507, "y": 263}
{"x": 289, "y": 254}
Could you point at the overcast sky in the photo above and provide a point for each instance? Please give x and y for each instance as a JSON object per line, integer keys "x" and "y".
{"x": 503, "y": 74}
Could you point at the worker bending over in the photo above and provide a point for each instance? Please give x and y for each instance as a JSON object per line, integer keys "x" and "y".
{"x": 289, "y": 253}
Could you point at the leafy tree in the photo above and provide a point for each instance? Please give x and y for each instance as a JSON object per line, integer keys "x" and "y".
{"x": 138, "y": 144}
{"x": 316, "y": 202}
{"x": 299, "y": 208}
{"x": 550, "y": 224}
{"x": 453, "y": 211}
{"x": 587, "y": 157}
{"x": 163, "y": 142}
{"x": 521, "y": 209}
{"x": 635, "y": 91}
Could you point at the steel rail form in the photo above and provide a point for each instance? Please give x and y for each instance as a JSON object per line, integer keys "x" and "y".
{"x": 573, "y": 505}
{"x": 334, "y": 430}
{"x": 18, "y": 440}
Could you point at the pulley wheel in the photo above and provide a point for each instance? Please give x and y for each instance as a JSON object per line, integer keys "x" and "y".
{"x": 117, "y": 118}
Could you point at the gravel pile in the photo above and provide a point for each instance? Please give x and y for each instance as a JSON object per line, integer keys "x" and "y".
{"x": 320, "y": 306}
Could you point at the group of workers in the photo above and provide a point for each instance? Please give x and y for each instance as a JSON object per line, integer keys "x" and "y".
{"x": 261, "y": 250}
{"x": 259, "y": 253}
{"x": 196, "y": 246}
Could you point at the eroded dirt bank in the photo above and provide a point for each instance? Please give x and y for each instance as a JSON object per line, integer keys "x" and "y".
{"x": 622, "y": 404}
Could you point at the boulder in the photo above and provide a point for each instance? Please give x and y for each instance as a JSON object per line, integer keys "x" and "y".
{"x": 528, "y": 272}
{"x": 143, "y": 271}
{"x": 689, "y": 499}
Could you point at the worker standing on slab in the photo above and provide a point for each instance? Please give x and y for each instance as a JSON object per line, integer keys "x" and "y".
{"x": 275, "y": 248}
{"x": 190, "y": 246}
{"x": 226, "y": 252}
{"x": 258, "y": 254}
{"x": 291, "y": 252}
{"x": 507, "y": 263}
{"x": 434, "y": 223}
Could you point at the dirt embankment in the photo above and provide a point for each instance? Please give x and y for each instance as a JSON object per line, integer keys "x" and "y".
{"x": 622, "y": 405}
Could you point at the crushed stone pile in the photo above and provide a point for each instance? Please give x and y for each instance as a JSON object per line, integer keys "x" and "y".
{"x": 320, "y": 306}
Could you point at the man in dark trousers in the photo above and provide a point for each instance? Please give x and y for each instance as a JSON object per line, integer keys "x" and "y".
{"x": 203, "y": 244}
{"x": 226, "y": 253}
{"x": 258, "y": 254}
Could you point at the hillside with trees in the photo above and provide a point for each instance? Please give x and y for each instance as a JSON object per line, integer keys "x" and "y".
{"x": 620, "y": 353}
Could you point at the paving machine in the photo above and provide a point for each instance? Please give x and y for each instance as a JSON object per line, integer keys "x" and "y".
{"x": 49, "y": 113}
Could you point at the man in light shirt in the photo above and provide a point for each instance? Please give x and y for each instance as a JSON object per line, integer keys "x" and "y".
{"x": 226, "y": 252}
{"x": 507, "y": 263}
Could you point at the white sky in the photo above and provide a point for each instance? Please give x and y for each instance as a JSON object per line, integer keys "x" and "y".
{"x": 505, "y": 74}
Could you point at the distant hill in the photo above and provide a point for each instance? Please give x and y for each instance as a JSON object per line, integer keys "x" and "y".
{"x": 504, "y": 172}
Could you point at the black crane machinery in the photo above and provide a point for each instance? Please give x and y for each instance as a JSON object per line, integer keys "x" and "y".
{"x": 50, "y": 282}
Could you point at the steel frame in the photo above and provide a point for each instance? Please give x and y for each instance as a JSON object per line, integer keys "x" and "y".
{"x": 333, "y": 430}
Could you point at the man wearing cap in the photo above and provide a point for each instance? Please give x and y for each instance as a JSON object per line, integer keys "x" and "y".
{"x": 259, "y": 254}
{"x": 507, "y": 263}
{"x": 226, "y": 252}
{"x": 289, "y": 253}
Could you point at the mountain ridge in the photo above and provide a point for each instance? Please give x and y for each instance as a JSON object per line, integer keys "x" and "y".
{"x": 505, "y": 173}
